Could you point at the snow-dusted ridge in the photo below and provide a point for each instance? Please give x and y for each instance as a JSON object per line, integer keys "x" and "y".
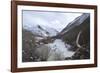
{"x": 41, "y": 30}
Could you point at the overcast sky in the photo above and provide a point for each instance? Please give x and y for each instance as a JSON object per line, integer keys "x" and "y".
{"x": 56, "y": 20}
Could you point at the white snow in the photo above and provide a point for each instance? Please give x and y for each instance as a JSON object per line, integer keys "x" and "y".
{"x": 59, "y": 46}
{"x": 52, "y": 31}
{"x": 41, "y": 31}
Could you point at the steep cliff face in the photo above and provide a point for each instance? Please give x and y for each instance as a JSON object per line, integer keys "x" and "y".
{"x": 70, "y": 32}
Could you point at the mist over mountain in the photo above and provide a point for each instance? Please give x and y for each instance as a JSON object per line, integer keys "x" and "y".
{"x": 52, "y": 19}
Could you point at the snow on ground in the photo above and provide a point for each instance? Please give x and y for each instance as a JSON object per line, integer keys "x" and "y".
{"x": 59, "y": 46}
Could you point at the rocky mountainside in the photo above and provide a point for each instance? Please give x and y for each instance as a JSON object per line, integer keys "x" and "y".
{"x": 70, "y": 32}
{"x": 77, "y": 34}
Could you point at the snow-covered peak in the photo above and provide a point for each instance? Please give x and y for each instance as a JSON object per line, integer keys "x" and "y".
{"x": 41, "y": 30}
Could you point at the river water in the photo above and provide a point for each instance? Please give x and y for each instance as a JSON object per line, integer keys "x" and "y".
{"x": 58, "y": 47}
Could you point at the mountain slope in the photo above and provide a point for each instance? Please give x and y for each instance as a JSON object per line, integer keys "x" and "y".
{"x": 77, "y": 34}
{"x": 81, "y": 23}
{"x": 41, "y": 30}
